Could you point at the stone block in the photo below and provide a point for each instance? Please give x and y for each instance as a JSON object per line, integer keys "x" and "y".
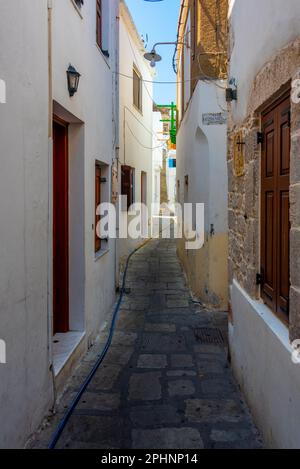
{"x": 295, "y": 257}
{"x": 167, "y": 438}
{"x": 181, "y": 387}
{"x": 152, "y": 361}
{"x": 145, "y": 387}
{"x": 295, "y": 204}
{"x": 294, "y": 314}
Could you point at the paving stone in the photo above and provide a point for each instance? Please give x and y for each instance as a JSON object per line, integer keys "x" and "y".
{"x": 119, "y": 355}
{"x": 181, "y": 387}
{"x": 210, "y": 367}
{"x": 153, "y": 415}
{"x": 105, "y": 378}
{"x": 103, "y": 402}
{"x": 182, "y": 361}
{"x": 104, "y": 431}
{"x": 181, "y": 373}
{"x": 208, "y": 410}
{"x": 218, "y": 387}
{"x": 167, "y": 438}
{"x": 169, "y": 328}
{"x": 145, "y": 386}
{"x": 157, "y": 342}
{"x": 124, "y": 338}
{"x": 229, "y": 436}
{"x": 152, "y": 361}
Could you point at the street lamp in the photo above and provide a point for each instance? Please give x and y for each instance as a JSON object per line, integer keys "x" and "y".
{"x": 153, "y": 57}
{"x": 73, "y": 80}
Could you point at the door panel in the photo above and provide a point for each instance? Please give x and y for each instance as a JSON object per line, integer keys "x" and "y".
{"x": 275, "y": 220}
{"x": 60, "y": 228}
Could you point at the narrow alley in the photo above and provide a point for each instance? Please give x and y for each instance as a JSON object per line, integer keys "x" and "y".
{"x": 120, "y": 120}
{"x": 165, "y": 382}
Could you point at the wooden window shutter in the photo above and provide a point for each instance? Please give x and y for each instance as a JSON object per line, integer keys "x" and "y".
{"x": 99, "y": 23}
{"x": 275, "y": 220}
{"x": 97, "y": 203}
{"x": 137, "y": 90}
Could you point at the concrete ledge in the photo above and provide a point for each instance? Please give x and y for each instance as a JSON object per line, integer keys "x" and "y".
{"x": 64, "y": 370}
{"x": 262, "y": 363}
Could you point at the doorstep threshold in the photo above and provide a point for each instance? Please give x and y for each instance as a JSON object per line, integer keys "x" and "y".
{"x": 64, "y": 347}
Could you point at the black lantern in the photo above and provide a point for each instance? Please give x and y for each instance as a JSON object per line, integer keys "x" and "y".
{"x": 73, "y": 80}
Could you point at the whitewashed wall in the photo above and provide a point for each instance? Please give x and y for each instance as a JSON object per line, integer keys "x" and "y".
{"x": 136, "y": 128}
{"x": 91, "y": 112}
{"x": 259, "y": 341}
{"x": 25, "y": 381}
{"x": 201, "y": 155}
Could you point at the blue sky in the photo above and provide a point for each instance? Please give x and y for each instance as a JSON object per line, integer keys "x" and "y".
{"x": 159, "y": 21}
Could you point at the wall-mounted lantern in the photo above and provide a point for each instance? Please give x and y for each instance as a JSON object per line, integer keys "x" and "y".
{"x": 73, "y": 80}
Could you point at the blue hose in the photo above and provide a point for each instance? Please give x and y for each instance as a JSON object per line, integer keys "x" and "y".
{"x": 61, "y": 426}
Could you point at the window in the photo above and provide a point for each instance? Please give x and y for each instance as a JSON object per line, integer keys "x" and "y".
{"x": 166, "y": 128}
{"x": 137, "y": 89}
{"x": 275, "y": 220}
{"x": 172, "y": 163}
{"x": 127, "y": 184}
{"x": 97, "y": 203}
{"x": 79, "y": 3}
{"x": 99, "y": 23}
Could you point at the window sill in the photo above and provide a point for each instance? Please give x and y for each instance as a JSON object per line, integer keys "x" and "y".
{"x": 105, "y": 58}
{"x": 77, "y": 9}
{"x": 101, "y": 253}
{"x": 275, "y": 325}
{"x": 140, "y": 111}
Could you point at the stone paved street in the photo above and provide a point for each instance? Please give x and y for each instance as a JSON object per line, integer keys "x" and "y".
{"x": 159, "y": 386}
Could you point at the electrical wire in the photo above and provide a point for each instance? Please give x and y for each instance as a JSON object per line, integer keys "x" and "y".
{"x": 141, "y": 144}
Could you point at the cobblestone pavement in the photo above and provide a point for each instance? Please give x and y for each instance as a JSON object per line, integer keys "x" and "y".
{"x": 160, "y": 386}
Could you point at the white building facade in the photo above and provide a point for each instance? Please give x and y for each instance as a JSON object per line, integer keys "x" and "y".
{"x": 202, "y": 142}
{"x": 57, "y": 277}
{"x": 264, "y": 63}
{"x": 136, "y": 126}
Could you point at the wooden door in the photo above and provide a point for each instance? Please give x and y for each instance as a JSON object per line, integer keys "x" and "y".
{"x": 60, "y": 228}
{"x": 275, "y": 219}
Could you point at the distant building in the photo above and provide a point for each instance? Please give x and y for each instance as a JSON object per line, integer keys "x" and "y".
{"x": 136, "y": 127}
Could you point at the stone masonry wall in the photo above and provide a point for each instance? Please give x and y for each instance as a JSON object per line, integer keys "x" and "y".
{"x": 244, "y": 191}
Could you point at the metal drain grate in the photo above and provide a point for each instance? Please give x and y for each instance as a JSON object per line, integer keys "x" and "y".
{"x": 207, "y": 335}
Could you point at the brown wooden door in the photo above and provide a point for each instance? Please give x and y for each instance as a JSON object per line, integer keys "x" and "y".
{"x": 60, "y": 228}
{"x": 275, "y": 220}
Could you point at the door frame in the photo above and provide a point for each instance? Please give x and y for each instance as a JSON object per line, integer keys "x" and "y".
{"x": 277, "y": 101}
{"x": 64, "y": 321}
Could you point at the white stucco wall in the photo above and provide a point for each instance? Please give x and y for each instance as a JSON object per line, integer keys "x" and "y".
{"x": 201, "y": 154}
{"x": 258, "y": 30}
{"x": 157, "y": 159}
{"x": 136, "y": 128}
{"x": 262, "y": 361}
{"x": 93, "y": 132}
{"x": 25, "y": 381}
{"x": 259, "y": 342}
{"x": 26, "y": 193}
